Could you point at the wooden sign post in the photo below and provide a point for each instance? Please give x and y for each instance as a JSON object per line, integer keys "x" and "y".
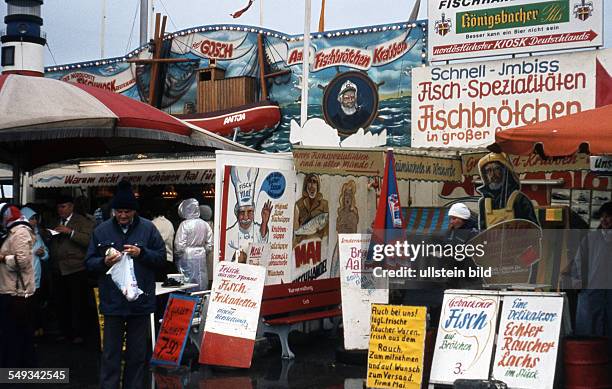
{"x": 397, "y": 345}
{"x": 174, "y": 330}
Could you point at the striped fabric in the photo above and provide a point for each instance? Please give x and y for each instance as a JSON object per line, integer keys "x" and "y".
{"x": 426, "y": 220}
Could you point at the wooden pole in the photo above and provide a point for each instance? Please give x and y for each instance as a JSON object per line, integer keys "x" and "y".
{"x": 322, "y": 17}
{"x": 262, "y": 78}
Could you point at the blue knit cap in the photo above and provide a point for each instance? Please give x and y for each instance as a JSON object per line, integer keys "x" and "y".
{"x": 124, "y": 197}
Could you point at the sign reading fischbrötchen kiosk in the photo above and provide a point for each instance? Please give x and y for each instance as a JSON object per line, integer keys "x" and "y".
{"x": 468, "y": 29}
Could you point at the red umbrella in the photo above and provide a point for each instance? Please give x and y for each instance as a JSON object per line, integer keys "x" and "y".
{"x": 44, "y": 120}
{"x": 588, "y": 132}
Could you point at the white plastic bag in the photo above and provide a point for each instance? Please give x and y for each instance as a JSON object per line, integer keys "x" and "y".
{"x": 123, "y": 275}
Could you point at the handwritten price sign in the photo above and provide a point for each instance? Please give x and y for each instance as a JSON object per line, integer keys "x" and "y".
{"x": 174, "y": 330}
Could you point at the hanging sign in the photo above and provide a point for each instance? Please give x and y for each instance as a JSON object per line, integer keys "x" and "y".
{"x": 528, "y": 341}
{"x": 174, "y": 330}
{"x": 397, "y": 344}
{"x": 466, "y": 333}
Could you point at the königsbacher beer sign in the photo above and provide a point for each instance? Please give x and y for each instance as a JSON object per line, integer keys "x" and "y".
{"x": 476, "y": 28}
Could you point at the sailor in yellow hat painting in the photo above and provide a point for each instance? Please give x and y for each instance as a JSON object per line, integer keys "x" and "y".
{"x": 502, "y": 199}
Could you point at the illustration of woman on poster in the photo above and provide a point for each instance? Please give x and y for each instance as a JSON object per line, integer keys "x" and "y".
{"x": 347, "y": 220}
{"x": 311, "y": 211}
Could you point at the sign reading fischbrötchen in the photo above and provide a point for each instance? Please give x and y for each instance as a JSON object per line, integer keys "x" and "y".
{"x": 464, "y": 105}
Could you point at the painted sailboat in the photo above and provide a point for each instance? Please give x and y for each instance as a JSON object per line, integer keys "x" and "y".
{"x": 228, "y": 105}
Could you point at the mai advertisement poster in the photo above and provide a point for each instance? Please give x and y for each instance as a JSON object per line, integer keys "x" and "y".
{"x": 327, "y": 204}
{"x": 257, "y": 214}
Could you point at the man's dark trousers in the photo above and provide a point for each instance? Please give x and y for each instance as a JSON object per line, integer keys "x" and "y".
{"x": 137, "y": 336}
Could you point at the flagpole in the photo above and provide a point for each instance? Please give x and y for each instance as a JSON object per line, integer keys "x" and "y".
{"x": 261, "y": 6}
{"x": 305, "y": 64}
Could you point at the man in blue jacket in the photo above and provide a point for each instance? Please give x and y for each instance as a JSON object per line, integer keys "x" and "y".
{"x": 125, "y": 232}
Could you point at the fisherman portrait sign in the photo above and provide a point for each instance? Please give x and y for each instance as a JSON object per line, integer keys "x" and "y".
{"x": 350, "y": 102}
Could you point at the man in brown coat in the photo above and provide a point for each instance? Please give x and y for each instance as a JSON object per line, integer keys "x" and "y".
{"x": 68, "y": 249}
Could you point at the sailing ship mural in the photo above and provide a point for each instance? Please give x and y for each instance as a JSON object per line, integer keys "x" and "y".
{"x": 244, "y": 82}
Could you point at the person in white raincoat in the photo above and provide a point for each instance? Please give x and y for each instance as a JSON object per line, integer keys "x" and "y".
{"x": 192, "y": 241}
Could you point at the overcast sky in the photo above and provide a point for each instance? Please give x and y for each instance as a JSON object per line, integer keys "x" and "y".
{"x": 73, "y": 26}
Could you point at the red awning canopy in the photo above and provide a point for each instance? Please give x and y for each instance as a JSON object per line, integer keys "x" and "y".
{"x": 588, "y": 132}
{"x": 43, "y": 120}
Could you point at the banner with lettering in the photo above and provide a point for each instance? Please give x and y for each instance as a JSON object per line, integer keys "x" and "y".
{"x": 167, "y": 177}
{"x": 424, "y": 168}
{"x": 397, "y": 346}
{"x": 257, "y": 211}
{"x": 174, "y": 330}
{"x": 529, "y": 163}
{"x": 466, "y": 334}
{"x": 468, "y": 29}
{"x": 340, "y": 162}
{"x": 233, "y": 315}
{"x": 384, "y": 54}
{"x": 528, "y": 341}
{"x": 463, "y": 105}
{"x": 358, "y": 294}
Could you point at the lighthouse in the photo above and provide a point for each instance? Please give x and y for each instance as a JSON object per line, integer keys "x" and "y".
{"x": 23, "y": 40}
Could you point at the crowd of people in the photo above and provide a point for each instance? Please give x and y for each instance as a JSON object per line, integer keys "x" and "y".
{"x": 48, "y": 272}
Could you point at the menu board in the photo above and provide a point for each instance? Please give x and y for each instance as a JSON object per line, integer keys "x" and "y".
{"x": 233, "y": 315}
{"x": 174, "y": 330}
{"x": 466, "y": 334}
{"x": 528, "y": 341}
{"x": 397, "y": 343}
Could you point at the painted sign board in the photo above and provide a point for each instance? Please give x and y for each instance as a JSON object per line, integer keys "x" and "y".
{"x": 529, "y": 163}
{"x": 528, "y": 341}
{"x": 468, "y": 29}
{"x": 601, "y": 164}
{"x": 167, "y": 177}
{"x": 174, "y": 330}
{"x": 233, "y": 315}
{"x": 464, "y": 105}
{"x": 357, "y": 296}
{"x": 258, "y": 210}
{"x": 466, "y": 333}
{"x": 397, "y": 345}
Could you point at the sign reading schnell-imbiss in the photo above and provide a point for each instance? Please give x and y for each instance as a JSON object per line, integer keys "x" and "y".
{"x": 477, "y": 28}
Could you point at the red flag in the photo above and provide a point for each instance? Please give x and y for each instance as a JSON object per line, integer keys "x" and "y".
{"x": 239, "y": 13}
